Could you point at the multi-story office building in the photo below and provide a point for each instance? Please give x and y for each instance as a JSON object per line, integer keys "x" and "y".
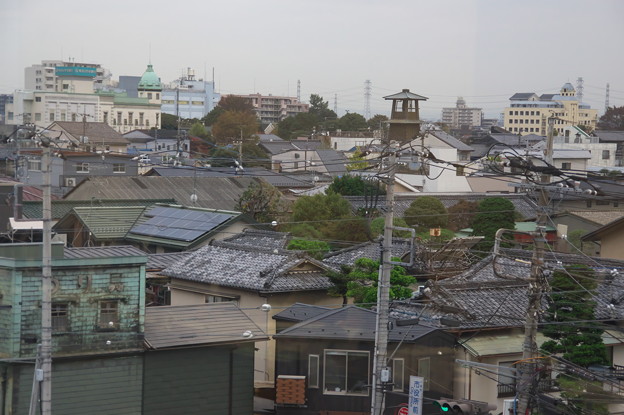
{"x": 188, "y": 97}
{"x": 58, "y": 76}
{"x": 4, "y": 100}
{"x": 528, "y": 113}
{"x": 273, "y": 109}
{"x": 76, "y": 100}
{"x": 462, "y": 117}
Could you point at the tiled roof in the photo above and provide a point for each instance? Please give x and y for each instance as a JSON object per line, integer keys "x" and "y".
{"x": 606, "y": 136}
{"x": 269, "y": 240}
{"x": 371, "y": 250}
{"x": 482, "y": 298}
{"x": 212, "y": 192}
{"x": 523, "y": 204}
{"x": 195, "y": 325}
{"x": 450, "y": 140}
{"x": 273, "y": 178}
{"x": 350, "y": 323}
{"x": 250, "y": 269}
{"x": 104, "y": 252}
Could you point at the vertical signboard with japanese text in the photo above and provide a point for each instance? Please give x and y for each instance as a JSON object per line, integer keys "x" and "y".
{"x": 416, "y": 387}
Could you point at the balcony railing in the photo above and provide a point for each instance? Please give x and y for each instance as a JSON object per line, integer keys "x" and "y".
{"x": 544, "y": 385}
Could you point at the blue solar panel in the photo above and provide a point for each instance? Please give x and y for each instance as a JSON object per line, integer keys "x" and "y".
{"x": 180, "y": 224}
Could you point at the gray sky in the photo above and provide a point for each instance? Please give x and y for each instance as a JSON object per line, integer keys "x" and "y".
{"x": 483, "y": 50}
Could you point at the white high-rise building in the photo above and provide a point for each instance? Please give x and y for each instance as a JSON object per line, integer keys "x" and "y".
{"x": 461, "y": 116}
{"x": 60, "y": 76}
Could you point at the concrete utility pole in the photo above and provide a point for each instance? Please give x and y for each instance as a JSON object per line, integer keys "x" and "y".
{"x": 46, "y": 287}
{"x": 383, "y": 294}
{"x": 526, "y": 387}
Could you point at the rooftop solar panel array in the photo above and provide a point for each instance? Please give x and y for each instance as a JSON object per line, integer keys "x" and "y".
{"x": 180, "y": 224}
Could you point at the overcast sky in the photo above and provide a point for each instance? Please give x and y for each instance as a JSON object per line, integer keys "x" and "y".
{"x": 483, "y": 50}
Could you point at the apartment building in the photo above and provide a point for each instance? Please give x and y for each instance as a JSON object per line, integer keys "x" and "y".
{"x": 273, "y": 109}
{"x": 58, "y": 76}
{"x": 528, "y": 112}
{"x": 462, "y": 117}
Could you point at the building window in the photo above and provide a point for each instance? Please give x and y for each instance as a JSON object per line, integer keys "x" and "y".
{"x": 119, "y": 168}
{"x": 398, "y": 106}
{"x": 506, "y": 378}
{"x": 141, "y": 116}
{"x": 37, "y": 99}
{"x": 105, "y": 114}
{"x": 149, "y": 95}
{"x": 118, "y": 118}
{"x": 51, "y": 116}
{"x": 209, "y": 298}
{"x": 459, "y": 171}
{"x": 130, "y": 117}
{"x": 297, "y": 155}
{"x": 157, "y": 95}
{"x": 346, "y": 372}
{"x": 73, "y": 117}
{"x": 424, "y": 369}
{"x": 37, "y": 116}
{"x": 566, "y": 166}
{"x": 605, "y": 154}
{"x": 10, "y": 115}
{"x": 60, "y": 317}
{"x": 398, "y": 375}
{"x": 108, "y": 315}
{"x": 34, "y": 164}
{"x": 82, "y": 167}
{"x": 313, "y": 371}
{"x": 63, "y": 116}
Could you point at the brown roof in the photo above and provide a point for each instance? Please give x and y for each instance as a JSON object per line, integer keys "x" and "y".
{"x": 98, "y": 132}
{"x": 599, "y": 217}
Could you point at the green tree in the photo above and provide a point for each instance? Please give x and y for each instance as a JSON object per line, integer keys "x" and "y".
{"x": 263, "y": 202}
{"x": 254, "y": 156}
{"x": 571, "y": 302}
{"x": 613, "y": 119}
{"x": 461, "y": 215}
{"x": 352, "y": 122}
{"x": 301, "y": 124}
{"x": 316, "y": 249}
{"x": 357, "y": 161}
{"x": 329, "y": 215}
{"x": 493, "y": 213}
{"x": 228, "y": 127}
{"x": 168, "y": 121}
{"x": 426, "y": 212}
{"x": 364, "y": 276}
{"x": 378, "y": 122}
{"x": 340, "y": 280}
{"x": 320, "y": 108}
{"x": 198, "y": 130}
{"x": 378, "y": 225}
{"x": 349, "y": 185}
{"x": 213, "y": 115}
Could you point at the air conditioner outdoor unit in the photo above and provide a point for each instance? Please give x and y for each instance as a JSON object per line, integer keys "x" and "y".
{"x": 70, "y": 182}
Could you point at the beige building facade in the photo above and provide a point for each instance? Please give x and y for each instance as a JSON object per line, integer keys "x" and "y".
{"x": 273, "y": 109}
{"x": 461, "y": 116}
{"x": 528, "y": 113}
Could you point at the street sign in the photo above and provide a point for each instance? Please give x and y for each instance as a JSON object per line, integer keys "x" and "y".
{"x": 403, "y": 411}
{"x": 416, "y": 388}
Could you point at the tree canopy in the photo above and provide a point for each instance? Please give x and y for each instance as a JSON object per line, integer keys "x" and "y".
{"x": 228, "y": 126}
{"x": 426, "y": 212}
{"x": 316, "y": 249}
{"x": 613, "y": 119}
{"x": 262, "y": 201}
{"x": 493, "y": 213}
{"x": 461, "y": 215}
{"x": 235, "y": 103}
{"x": 320, "y": 108}
{"x": 168, "y": 121}
{"x": 301, "y": 124}
{"x": 349, "y": 185}
{"x": 352, "y": 122}
{"x": 378, "y": 122}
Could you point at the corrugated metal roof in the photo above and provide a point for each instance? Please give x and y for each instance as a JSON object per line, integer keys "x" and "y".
{"x": 351, "y": 323}
{"x": 406, "y": 94}
{"x": 60, "y": 208}
{"x": 212, "y": 192}
{"x": 98, "y": 132}
{"x": 194, "y": 325}
{"x": 104, "y": 223}
{"x": 300, "y": 312}
{"x": 450, "y": 140}
{"x": 104, "y": 252}
{"x": 333, "y": 161}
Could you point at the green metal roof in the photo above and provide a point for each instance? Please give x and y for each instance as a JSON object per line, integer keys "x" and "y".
{"x": 104, "y": 223}
{"x": 150, "y": 80}
{"x": 33, "y": 210}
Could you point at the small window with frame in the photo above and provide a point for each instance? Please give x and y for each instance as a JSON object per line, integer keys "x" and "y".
{"x": 398, "y": 374}
{"x": 424, "y": 371}
{"x": 108, "y": 317}
{"x": 60, "y": 317}
{"x": 313, "y": 371}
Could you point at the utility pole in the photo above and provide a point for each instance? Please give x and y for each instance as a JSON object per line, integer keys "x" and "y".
{"x": 383, "y": 294}
{"x": 526, "y": 386}
{"x": 46, "y": 286}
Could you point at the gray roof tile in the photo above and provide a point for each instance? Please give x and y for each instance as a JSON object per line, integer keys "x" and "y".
{"x": 104, "y": 252}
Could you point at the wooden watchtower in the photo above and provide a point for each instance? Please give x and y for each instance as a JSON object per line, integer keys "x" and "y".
{"x": 405, "y": 118}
